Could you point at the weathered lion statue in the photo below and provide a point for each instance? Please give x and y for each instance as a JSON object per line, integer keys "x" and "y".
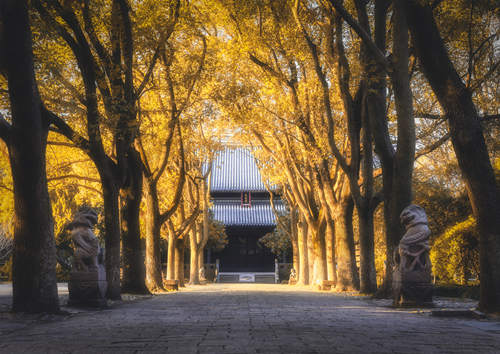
{"x": 415, "y": 242}
{"x": 412, "y": 272}
{"x": 87, "y": 252}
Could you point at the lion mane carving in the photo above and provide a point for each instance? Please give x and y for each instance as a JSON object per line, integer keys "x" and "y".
{"x": 414, "y": 245}
{"x": 87, "y": 253}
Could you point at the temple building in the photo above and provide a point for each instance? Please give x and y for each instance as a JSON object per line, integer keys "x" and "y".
{"x": 241, "y": 202}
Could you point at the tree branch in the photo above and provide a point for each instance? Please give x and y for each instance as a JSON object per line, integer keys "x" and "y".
{"x": 483, "y": 118}
{"x": 156, "y": 55}
{"x": 433, "y": 146}
{"x": 377, "y": 53}
{"x": 84, "y": 178}
{"x": 180, "y": 184}
{"x": 64, "y": 129}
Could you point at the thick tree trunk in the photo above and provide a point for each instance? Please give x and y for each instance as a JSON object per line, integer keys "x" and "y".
{"x": 171, "y": 256}
{"x": 34, "y": 258}
{"x": 201, "y": 258}
{"x": 347, "y": 273}
{"x": 303, "y": 271}
{"x": 401, "y": 193}
{"x": 368, "y": 276}
{"x": 468, "y": 143}
{"x": 375, "y": 105}
{"x": 294, "y": 238}
{"x": 330, "y": 249}
{"x": 111, "y": 236}
{"x": 194, "y": 258}
{"x": 320, "y": 255}
{"x": 179, "y": 262}
{"x": 153, "y": 262}
{"x": 310, "y": 256}
{"x": 134, "y": 271}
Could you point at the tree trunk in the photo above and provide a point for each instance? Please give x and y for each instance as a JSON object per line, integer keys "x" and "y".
{"x": 171, "y": 256}
{"x": 310, "y": 256}
{"x": 320, "y": 255}
{"x": 34, "y": 258}
{"x": 303, "y": 271}
{"x": 368, "y": 275}
{"x": 201, "y": 258}
{"x": 347, "y": 273}
{"x": 194, "y": 278}
{"x": 179, "y": 262}
{"x": 294, "y": 239}
{"x": 134, "y": 271}
{"x": 111, "y": 235}
{"x": 330, "y": 249}
{"x": 153, "y": 262}
{"x": 468, "y": 143}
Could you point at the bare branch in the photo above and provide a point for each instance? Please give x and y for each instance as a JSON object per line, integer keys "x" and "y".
{"x": 83, "y": 178}
{"x": 180, "y": 184}
{"x": 64, "y": 129}
{"x": 485, "y": 117}
{"x": 433, "y": 146}
{"x": 377, "y": 53}
{"x": 6, "y": 188}
{"x": 156, "y": 55}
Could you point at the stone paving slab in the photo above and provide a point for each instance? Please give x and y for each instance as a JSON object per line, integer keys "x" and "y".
{"x": 248, "y": 318}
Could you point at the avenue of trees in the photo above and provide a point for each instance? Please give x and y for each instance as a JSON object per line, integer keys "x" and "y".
{"x": 353, "y": 109}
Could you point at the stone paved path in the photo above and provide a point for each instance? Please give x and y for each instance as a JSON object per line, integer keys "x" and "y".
{"x": 249, "y": 318}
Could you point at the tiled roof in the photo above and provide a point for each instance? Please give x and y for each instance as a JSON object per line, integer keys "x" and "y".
{"x": 235, "y": 170}
{"x": 233, "y": 214}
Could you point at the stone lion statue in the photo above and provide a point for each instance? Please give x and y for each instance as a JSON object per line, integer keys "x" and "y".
{"x": 412, "y": 264}
{"x": 87, "y": 253}
{"x": 414, "y": 245}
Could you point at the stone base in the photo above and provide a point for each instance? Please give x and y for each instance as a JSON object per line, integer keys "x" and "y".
{"x": 171, "y": 284}
{"x": 292, "y": 282}
{"x": 412, "y": 289}
{"x": 88, "y": 289}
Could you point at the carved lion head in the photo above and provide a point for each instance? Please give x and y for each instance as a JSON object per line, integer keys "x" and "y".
{"x": 412, "y": 215}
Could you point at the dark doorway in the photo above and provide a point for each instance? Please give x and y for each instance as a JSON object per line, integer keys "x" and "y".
{"x": 244, "y": 253}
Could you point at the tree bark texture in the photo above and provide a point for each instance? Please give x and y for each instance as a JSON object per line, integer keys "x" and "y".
{"x": 330, "y": 249}
{"x": 468, "y": 143}
{"x": 397, "y": 166}
{"x": 347, "y": 272}
{"x": 171, "y": 256}
{"x": 154, "y": 280}
{"x": 320, "y": 255}
{"x": 134, "y": 271}
{"x": 194, "y": 277}
{"x": 367, "y": 273}
{"x": 111, "y": 236}
{"x": 310, "y": 255}
{"x": 303, "y": 271}
{"x": 34, "y": 258}
{"x": 179, "y": 261}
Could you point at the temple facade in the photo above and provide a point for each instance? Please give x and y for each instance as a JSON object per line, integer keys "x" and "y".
{"x": 241, "y": 202}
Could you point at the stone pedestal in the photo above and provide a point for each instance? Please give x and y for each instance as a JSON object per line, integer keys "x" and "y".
{"x": 88, "y": 288}
{"x": 412, "y": 288}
